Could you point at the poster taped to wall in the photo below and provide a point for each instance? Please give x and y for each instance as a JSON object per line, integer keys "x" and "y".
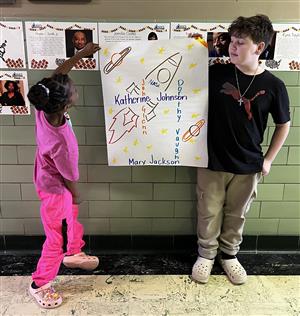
{"x": 156, "y": 102}
{"x": 215, "y": 35}
{"x": 286, "y": 47}
{"x": 129, "y": 32}
{"x": 49, "y": 44}
{"x": 282, "y": 53}
{"x": 11, "y": 37}
{"x": 13, "y": 93}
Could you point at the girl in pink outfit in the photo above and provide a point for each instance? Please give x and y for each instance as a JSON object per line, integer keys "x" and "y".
{"x": 55, "y": 177}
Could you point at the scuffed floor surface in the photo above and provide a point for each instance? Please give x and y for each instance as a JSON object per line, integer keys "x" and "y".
{"x": 157, "y": 295}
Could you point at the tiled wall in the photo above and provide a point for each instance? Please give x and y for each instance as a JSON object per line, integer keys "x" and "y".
{"x": 138, "y": 200}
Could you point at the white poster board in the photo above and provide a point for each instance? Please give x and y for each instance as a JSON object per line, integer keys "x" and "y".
{"x": 49, "y": 44}
{"x": 12, "y": 52}
{"x": 156, "y": 102}
{"x": 129, "y": 32}
{"x": 13, "y": 93}
{"x": 287, "y": 48}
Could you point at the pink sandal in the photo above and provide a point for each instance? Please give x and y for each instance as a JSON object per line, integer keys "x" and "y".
{"x": 82, "y": 261}
{"x": 46, "y": 296}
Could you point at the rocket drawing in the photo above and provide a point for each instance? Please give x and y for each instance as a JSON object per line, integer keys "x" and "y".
{"x": 123, "y": 122}
{"x": 165, "y": 71}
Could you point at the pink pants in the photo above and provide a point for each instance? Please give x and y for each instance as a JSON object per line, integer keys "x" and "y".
{"x": 55, "y": 208}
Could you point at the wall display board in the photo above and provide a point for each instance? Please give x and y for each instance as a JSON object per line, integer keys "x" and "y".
{"x": 282, "y": 53}
{"x": 128, "y": 32}
{"x": 12, "y": 51}
{"x": 286, "y": 47}
{"x": 50, "y": 43}
{"x": 13, "y": 93}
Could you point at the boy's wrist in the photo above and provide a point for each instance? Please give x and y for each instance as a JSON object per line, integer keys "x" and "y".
{"x": 268, "y": 160}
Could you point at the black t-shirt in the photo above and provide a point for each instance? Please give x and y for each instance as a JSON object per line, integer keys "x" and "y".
{"x": 17, "y": 99}
{"x": 235, "y": 132}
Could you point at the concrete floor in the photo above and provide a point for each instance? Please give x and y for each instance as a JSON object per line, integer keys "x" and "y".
{"x": 162, "y": 295}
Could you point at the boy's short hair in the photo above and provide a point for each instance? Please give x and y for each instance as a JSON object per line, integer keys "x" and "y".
{"x": 259, "y": 28}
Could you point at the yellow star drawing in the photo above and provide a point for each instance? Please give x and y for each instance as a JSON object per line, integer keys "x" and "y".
{"x": 119, "y": 80}
{"x": 142, "y": 60}
{"x": 161, "y": 50}
{"x": 197, "y": 158}
{"x": 110, "y": 111}
{"x": 135, "y": 142}
{"x": 125, "y": 149}
{"x": 114, "y": 160}
{"x": 195, "y": 115}
{"x": 190, "y": 46}
{"x": 164, "y": 131}
{"x": 105, "y": 51}
{"x": 149, "y": 147}
{"x": 192, "y": 141}
{"x": 196, "y": 91}
{"x": 166, "y": 111}
{"x": 191, "y": 66}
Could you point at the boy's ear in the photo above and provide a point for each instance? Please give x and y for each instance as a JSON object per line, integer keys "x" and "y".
{"x": 260, "y": 48}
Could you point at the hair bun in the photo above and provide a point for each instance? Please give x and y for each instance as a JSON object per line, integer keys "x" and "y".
{"x": 38, "y": 96}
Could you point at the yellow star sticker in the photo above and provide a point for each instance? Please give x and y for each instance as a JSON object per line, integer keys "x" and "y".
{"x": 195, "y": 115}
{"x": 161, "y": 50}
{"x": 190, "y": 46}
{"x": 135, "y": 142}
{"x": 166, "y": 111}
{"x": 119, "y": 80}
{"x": 197, "y": 158}
{"x": 142, "y": 60}
{"x": 164, "y": 131}
{"x": 192, "y": 66}
{"x": 149, "y": 147}
{"x": 114, "y": 160}
{"x": 105, "y": 51}
{"x": 196, "y": 91}
{"x": 110, "y": 111}
{"x": 125, "y": 149}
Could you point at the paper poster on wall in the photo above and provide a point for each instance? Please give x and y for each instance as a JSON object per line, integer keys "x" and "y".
{"x": 129, "y": 32}
{"x": 214, "y": 34}
{"x": 12, "y": 52}
{"x": 287, "y": 47}
{"x": 49, "y": 44}
{"x": 13, "y": 93}
{"x": 156, "y": 101}
{"x": 282, "y": 53}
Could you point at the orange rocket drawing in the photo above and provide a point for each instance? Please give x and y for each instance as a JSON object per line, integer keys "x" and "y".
{"x": 123, "y": 122}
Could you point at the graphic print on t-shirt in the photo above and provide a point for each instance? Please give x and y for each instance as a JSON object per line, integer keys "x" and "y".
{"x": 230, "y": 89}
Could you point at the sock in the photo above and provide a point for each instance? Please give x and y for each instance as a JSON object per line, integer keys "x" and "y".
{"x": 34, "y": 286}
{"x": 225, "y": 256}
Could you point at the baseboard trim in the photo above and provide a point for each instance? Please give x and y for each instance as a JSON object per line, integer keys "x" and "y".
{"x": 151, "y": 243}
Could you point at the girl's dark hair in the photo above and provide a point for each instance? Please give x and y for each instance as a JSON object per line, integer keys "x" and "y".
{"x": 51, "y": 95}
{"x": 259, "y": 28}
{"x": 16, "y": 87}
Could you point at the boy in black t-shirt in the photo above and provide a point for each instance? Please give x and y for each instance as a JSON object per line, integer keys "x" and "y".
{"x": 241, "y": 95}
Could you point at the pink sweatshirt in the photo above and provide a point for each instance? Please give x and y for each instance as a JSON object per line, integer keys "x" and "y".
{"x": 56, "y": 155}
